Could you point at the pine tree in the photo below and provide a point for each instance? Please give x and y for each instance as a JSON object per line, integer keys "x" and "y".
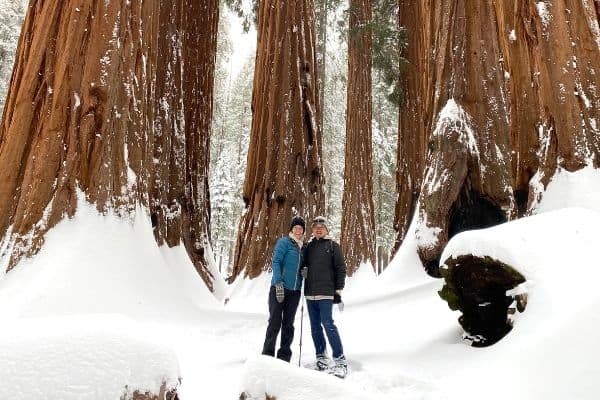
{"x": 284, "y": 173}
{"x": 334, "y": 132}
{"x": 230, "y": 150}
{"x": 385, "y": 137}
{"x": 12, "y": 13}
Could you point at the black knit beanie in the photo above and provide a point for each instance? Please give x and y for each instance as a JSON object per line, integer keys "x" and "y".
{"x": 297, "y": 220}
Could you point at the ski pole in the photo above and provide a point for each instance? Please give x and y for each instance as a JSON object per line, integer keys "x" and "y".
{"x": 301, "y": 320}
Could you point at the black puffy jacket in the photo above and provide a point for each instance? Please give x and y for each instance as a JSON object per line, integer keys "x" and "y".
{"x": 326, "y": 267}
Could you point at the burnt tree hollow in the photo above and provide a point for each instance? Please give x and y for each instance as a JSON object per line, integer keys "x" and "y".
{"x": 469, "y": 211}
{"x": 477, "y": 286}
{"x": 473, "y": 211}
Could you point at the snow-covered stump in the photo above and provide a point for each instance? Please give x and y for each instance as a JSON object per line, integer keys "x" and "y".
{"x": 479, "y": 287}
{"x": 546, "y": 261}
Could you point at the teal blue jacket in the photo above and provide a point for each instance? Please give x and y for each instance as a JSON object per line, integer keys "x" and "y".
{"x": 287, "y": 258}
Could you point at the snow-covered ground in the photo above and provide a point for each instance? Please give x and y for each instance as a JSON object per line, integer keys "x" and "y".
{"x": 101, "y": 307}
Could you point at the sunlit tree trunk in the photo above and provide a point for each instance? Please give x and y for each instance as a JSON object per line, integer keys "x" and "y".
{"x": 358, "y": 221}
{"x": 284, "y": 171}
{"x": 110, "y": 101}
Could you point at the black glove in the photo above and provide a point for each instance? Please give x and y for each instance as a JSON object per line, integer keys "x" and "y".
{"x": 337, "y": 298}
{"x": 304, "y": 272}
{"x": 279, "y": 292}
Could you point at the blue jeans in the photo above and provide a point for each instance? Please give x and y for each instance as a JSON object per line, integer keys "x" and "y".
{"x": 319, "y": 312}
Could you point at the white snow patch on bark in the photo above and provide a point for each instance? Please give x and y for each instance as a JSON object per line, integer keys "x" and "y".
{"x": 544, "y": 13}
{"x": 426, "y": 235}
{"x": 581, "y": 93}
{"x": 77, "y": 101}
{"x": 454, "y": 117}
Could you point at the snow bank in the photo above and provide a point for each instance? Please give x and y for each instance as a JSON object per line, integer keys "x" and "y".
{"x": 250, "y": 295}
{"x": 571, "y": 189}
{"x": 95, "y": 309}
{"x": 268, "y": 375}
{"x": 553, "y": 251}
{"x": 104, "y": 264}
{"x": 99, "y": 357}
{"x": 555, "y": 339}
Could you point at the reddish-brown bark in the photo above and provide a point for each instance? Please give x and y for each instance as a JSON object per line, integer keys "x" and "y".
{"x": 498, "y": 96}
{"x": 103, "y": 100}
{"x": 358, "y": 220}
{"x": 284, "y": 171}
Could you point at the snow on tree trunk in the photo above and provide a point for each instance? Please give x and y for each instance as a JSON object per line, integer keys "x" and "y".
{"x": 114, "y": 99}
{"x": 358, "y": 221}
{"x": 499, "y": 95}
{"x": 284, "y": 171}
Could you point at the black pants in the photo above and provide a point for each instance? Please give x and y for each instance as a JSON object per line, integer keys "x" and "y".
{"x": 281, "y": 316}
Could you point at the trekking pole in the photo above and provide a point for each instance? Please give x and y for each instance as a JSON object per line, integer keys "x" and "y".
{"x": 301, "y": 320}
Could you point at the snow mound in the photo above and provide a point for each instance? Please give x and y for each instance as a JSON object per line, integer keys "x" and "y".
{"x": 535, "y": 246}
{"x": 104, "y": 264}
{"x": 571, "y": 189}
{"x": 100, "y": 310}
{"x": 250, "y": 295}
{"x": 555, "y": 339}
{"x": 268, "y": 375}
{"x": 101, "y": 358}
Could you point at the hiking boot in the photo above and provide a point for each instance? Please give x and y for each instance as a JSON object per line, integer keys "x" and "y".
{"x": 340, "y": 369}
{"x": 322, "y": 362}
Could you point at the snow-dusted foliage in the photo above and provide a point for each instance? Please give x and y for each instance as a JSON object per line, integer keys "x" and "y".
{"x": 229, "y": 145}
{"x": 385, "y": 142}
{"x": 334, "y": 128}
{"x": 12, "y": 13}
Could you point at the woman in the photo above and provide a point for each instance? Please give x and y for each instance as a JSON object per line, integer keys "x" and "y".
{"x": 284, "y": 294}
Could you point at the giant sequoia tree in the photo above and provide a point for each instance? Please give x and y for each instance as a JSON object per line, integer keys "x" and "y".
{"x": 499, "y": 95}
{"x": 112, "y": 100}
{"x": 284, "y": 171}
{"x": 358, "y": 221}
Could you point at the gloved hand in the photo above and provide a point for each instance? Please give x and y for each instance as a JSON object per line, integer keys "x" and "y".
{"x": 304, "y": 272}
{"x": 279, "y": 292}
{"x": 337, "y": 298}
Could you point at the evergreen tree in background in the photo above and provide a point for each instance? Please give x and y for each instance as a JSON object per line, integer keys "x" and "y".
{"x": 229, "y": 147}
{"x": 12, "y": 13}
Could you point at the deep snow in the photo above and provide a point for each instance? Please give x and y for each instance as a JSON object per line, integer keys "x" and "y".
{"x": 101, "y": 307}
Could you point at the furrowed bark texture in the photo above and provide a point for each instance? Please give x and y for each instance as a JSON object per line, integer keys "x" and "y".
{"x": 284, "y": 173}
{"x": 103, "y": 100}
{"x": 499, "y": 95}
{"x": 358, "y": 220}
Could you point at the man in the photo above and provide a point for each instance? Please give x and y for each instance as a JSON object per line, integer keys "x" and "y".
{"x": 325, "y": 273}
{"x": 284, "y": 294}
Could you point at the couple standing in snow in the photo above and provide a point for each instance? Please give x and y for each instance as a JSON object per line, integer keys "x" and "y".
{"x": 321, "y": 263}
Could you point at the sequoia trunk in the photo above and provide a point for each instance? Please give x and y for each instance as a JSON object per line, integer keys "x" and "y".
{"x": 499, "y": 95}
{"x": 111, "y": 100}
{"x": 284, "y": 171}
{"x": 358, "y": 221}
